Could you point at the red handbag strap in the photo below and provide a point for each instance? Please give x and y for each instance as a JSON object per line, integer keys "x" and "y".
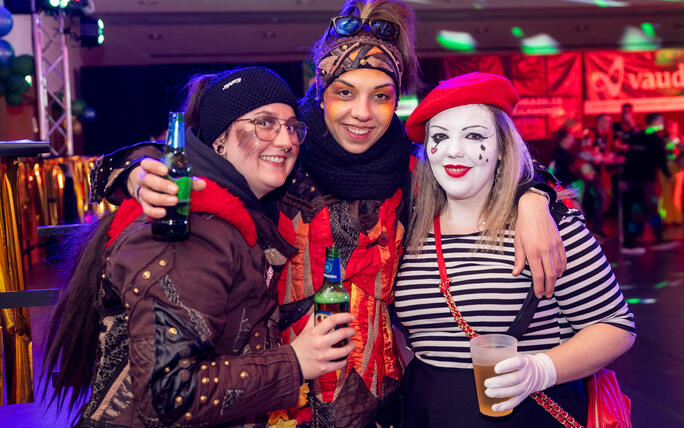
{"x": 446, "y": 282}
{"x": 540, "y": 397}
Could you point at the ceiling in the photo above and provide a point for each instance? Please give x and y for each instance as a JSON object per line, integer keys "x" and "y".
{"x": 139, "y": 32}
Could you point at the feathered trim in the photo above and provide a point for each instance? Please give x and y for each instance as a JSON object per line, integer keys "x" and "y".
{"x": 129, "y": 210}
{"x": 214, "y": 200}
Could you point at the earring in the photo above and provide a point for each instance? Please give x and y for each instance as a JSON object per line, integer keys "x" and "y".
{"x": 219, "y": 148}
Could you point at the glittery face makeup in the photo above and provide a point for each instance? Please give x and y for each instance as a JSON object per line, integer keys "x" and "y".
{"x": 462, "y": 150}
{"x": 264, "y": 164}
{"x": 358, "y": 108}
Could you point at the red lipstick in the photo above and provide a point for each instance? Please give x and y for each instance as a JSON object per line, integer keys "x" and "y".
{"x": 456, "y": 171}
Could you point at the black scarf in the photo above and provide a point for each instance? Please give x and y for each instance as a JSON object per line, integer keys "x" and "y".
{"x": 207, "y": 163}
{"x": 375, "y": 174}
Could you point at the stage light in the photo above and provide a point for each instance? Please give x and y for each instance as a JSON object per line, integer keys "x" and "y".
{"x": 661, "y": 284}
{"x": 602, "y": 3}
{"x": 639, "y": 300}
{"x": 456, "y": 41}
{"x": 635, "y": 39}
{"x": 541, "y": 44}
{"x": 92, "y": 31}
{"x": 648, "y": 29}
{"x": 406, "y": 106}
{"x": 71, "y": 7}
{"x": 517, "y": 32}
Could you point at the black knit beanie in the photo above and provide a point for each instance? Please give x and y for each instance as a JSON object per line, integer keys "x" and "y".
{"x": 237, "y": 92}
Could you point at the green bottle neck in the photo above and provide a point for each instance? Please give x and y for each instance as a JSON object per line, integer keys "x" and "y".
{"x": 175, "y": 138}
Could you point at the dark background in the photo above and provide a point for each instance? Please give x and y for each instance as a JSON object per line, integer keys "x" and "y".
{"x": 132, "y": 102}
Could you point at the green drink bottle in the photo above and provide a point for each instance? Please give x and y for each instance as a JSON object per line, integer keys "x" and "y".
{"x": 176, "y": 224}
{"x": 332, "y": 297}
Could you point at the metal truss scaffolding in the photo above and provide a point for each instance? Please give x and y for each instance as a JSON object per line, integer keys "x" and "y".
{"x": 53, "y": 74}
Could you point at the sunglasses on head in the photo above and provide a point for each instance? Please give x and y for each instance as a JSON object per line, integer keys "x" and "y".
{"x": 348, "y": 25}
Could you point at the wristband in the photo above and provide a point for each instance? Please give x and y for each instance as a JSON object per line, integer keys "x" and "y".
{"x": 540, "y": 192}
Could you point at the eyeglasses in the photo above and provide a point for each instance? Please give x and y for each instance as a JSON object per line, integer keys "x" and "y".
{"x": 348, "y": 25}
{"x": 267, "y": 128}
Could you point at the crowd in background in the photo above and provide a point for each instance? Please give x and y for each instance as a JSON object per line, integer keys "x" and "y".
{"x": 626, "y": 170}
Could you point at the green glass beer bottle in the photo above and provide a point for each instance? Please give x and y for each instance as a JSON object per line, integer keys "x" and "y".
{"x": 176, "y": 224}
{"x": 332, "y": 297}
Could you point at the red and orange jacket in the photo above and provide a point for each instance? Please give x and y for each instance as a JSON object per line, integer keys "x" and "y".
{"x": 369, "y": 236}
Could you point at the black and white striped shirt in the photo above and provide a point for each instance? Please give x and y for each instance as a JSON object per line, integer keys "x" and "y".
{"x": 489, "y": 297}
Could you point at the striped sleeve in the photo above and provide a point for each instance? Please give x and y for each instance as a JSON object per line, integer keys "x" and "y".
{"x": 588, "y": 292}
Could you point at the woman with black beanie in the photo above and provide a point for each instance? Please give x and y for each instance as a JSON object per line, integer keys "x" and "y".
{"x": 185, "y": 333}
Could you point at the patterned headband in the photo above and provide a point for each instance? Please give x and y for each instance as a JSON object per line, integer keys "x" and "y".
{"x": 363, "y": 51}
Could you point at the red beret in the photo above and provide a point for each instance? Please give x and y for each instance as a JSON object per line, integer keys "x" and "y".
{"x": 471, "y": 88}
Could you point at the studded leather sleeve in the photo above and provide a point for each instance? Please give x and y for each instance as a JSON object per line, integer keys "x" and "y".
{"x": 110, "y": 172}
{"x": 542, "y": 180}
{"x": 202, "y": 326}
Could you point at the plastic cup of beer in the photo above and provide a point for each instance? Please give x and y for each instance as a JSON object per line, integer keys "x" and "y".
{"x": 486, "y": 350}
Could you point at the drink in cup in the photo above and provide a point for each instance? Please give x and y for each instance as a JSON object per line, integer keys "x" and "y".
{"x": 486, "y": 350}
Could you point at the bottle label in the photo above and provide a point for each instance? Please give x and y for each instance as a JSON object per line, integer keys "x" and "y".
{"x": 184, "y": 187}
{"x": 319, "y": 316}
{"x": 332, "y": 270}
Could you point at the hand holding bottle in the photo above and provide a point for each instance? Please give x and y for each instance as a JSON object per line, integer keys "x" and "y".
{"x": 315, "y": 346}
{"x": 148, "y": 184}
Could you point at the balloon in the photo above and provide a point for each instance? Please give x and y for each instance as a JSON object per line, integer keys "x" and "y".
{"x": 88, "y": 114}
{"x": 23, "y": 65}
{"x": 17, "y": 84}
{"x": 5, "y": 72}
{"x": 6, "y": 21}
{"x": 6, "y": 52}
{"x": 77, "y": 106}
{"x": 13, "y": 99}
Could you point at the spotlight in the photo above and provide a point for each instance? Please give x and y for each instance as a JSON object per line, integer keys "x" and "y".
{"x": 92, "y": 31}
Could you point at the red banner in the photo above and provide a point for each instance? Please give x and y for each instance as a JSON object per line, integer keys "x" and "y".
{"x": 550, "y": 87}
{"x": 651, "y": 81}
{"x": 555, "y": 89}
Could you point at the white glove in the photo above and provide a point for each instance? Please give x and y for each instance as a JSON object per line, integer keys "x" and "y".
{"x": 525, "y": 374}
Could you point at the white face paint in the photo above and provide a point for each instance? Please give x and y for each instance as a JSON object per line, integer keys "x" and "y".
{"x": 462, "y": 150}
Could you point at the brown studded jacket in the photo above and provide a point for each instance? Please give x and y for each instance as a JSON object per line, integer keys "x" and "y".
{"x": 189, "y": 329}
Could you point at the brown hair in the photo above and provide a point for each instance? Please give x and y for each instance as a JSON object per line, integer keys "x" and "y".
{"x": 428, "y": 199}
{"x": 71, "y": 337}
{"x": 196, "y": 87}
{"x": 395, "y": 11}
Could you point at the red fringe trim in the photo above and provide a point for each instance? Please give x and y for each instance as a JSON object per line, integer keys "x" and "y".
{"x": 213, "y": 200}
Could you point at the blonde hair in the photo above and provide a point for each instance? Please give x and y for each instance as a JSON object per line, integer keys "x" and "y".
{"x": 515, "y": 167}
{"x": 395, "y": 11}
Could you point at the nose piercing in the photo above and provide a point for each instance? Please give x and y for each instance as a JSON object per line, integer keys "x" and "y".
{"x": 287, "y": 150}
